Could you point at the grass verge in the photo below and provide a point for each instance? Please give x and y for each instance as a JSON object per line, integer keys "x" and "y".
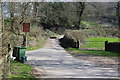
{"x": 20, "y": 70}
{"x": 36, "y": 47}
{"x": 94, "y": 52}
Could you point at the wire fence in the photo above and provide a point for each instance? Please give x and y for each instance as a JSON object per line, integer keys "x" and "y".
{"x": 97, "y": 45}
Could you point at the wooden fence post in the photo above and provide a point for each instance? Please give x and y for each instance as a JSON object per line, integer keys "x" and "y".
{"x": 106, "y": 45}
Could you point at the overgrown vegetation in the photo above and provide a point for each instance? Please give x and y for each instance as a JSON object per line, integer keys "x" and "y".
{"x": 36, "y": 38}
{"x": 102, "y": 31}
{"x": 73, "y": 38}
{"x": 20, "y": 70}
{"x": 62, "y": 14}
{"x": 38, "y": 46}
{"x": 52, "y": 34}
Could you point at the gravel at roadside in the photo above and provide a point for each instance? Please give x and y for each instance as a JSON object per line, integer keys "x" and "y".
{"x": 108, "y": 62}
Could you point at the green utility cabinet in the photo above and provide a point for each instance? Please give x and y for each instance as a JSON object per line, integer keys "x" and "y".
{"x": 19, "y": 53}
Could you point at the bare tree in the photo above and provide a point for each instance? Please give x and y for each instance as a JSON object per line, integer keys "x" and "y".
{"x": 118, "y": 12}
{"x": 118, "y": 15}
{"x": 11, "y": 8}
{"x": 80, "y": 9}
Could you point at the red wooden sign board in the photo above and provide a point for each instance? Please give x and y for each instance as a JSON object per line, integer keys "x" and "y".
{"x": 26, "y": 27}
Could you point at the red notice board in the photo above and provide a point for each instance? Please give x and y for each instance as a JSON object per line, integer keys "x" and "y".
{"x": 26, "y": 27}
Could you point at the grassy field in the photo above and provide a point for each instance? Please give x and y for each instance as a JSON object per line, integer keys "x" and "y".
{"x": 96, "y": 48}
{"x": 20, "y": 70}
{"x": 99, "y": 42}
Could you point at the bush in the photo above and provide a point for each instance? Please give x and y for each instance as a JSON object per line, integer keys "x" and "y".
{"x": 73, "y": 38}
{"x": 102, "y": 31}
{"x": 36, "y": 37}
{"x": 76, "y": 35}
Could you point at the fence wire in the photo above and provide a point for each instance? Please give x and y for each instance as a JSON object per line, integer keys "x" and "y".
{"x": 93, "y": 45}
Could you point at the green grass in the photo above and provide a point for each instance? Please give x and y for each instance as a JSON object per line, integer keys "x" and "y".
{"x": 20, "y": 70}
{"x": 103, "y": 39}
{"x": 97, "y": 48}
{"x": 98, "y": 45}
{"x": 33, "y": 47}
{"x": 94, "y": 52}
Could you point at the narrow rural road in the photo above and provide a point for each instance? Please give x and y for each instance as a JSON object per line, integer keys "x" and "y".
{"x": 52, "y": 61}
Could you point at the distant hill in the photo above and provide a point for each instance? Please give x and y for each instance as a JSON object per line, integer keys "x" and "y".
{"x": 102, "y": 12}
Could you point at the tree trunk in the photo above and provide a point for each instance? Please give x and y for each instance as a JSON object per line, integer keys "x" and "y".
{"x": 118, "y": 12}
{"x": 35, "y": 12}
{"x": 80, "y": 12}
{"x": 12, "y": 9}
{"x": 118, "y": 15}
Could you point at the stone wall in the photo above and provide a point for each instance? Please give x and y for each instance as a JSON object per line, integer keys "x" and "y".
{"x": 68, "y": 42}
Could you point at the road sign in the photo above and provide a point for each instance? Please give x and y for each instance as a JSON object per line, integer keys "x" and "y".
{"x": 26, "y": 27}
